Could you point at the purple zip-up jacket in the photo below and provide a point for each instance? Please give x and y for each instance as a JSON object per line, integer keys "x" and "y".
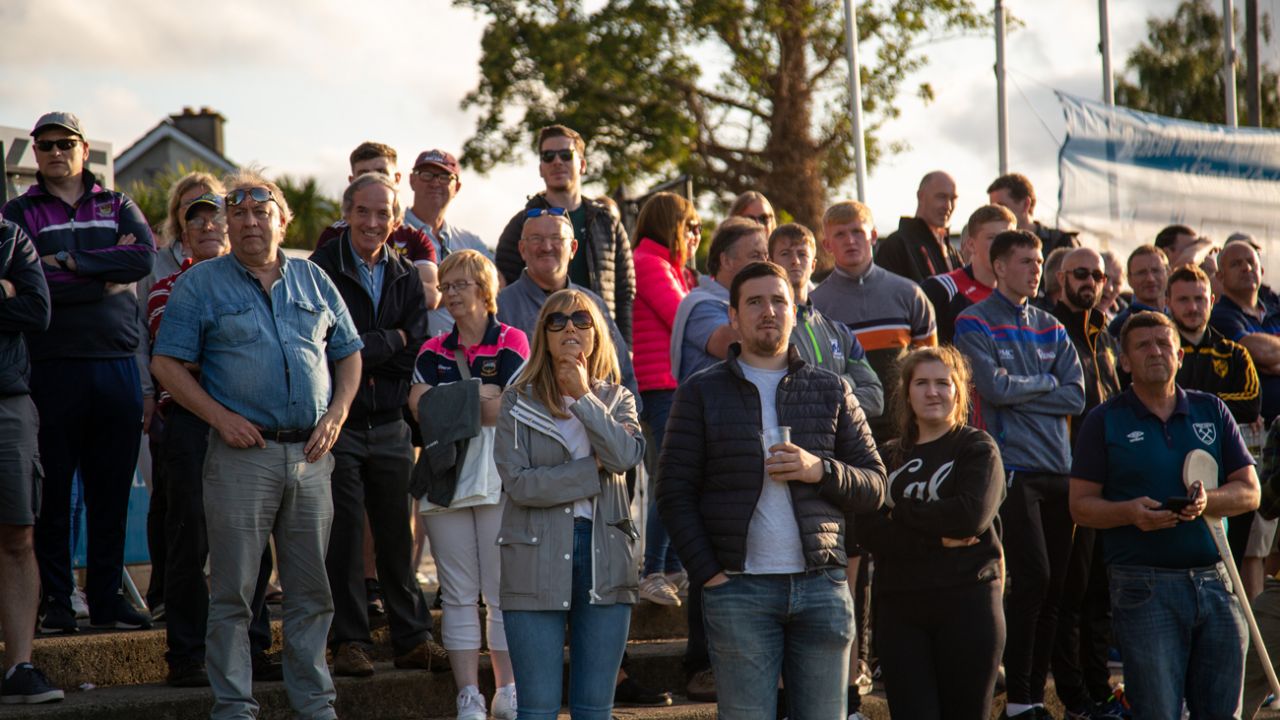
{"x": 95, "y": 312}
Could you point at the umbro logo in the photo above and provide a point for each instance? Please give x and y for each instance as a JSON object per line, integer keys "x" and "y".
{"x": 1135, "y": 436}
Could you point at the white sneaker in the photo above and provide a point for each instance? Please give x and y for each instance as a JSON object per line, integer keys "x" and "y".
{"x": 471, "y": 704}
{"x": 504, "y": 703}
{"x": 680, "y": 581}
{"x": 658, "y": 590}
{"x": 79, "y": 604}
{"x": 857, "y": 716}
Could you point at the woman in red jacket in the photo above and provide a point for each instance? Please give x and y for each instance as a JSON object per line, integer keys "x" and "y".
{"x": 667, "y": 228}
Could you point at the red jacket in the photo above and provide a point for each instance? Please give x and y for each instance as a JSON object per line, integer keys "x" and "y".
{"x": 660, "y": 286}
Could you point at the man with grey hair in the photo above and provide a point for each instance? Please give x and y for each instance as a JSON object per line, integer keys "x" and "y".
{"x": 373, "y": 456}
{"x": 921, "y": 247}
{"x": 264, "y": 330}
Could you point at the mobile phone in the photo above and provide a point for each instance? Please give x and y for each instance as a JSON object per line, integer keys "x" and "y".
{"x": 1176, "y": 504}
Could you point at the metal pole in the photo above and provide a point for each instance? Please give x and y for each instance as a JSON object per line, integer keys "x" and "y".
{"x": 1002, "y": 105}
{"x": 1108, "y": 82}
{"x": 1253, "y": 78}
{"x": 855, "y": 98}
{"x": 1229, "y": 60}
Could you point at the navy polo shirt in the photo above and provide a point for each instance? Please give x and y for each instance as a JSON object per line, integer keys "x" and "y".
{"x": 1132, "y": 453}
{"x": 1232, "y": 321}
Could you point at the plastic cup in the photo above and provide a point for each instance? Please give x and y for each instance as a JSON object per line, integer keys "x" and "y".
{"x": 773, "y": 436}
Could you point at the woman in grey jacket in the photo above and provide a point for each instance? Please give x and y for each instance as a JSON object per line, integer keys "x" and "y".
{"x": 567, "y": 433}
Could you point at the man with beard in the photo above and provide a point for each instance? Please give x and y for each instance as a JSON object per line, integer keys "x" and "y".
{"x": 1079, "y": 658}
{"x": 759, "y": 519}
{"x": 921, "y": 247}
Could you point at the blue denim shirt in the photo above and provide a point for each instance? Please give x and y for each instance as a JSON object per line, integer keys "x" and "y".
{"x": 263, "y": 357}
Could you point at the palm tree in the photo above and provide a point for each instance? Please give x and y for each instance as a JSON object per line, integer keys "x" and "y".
{"x": 312, "y": 211}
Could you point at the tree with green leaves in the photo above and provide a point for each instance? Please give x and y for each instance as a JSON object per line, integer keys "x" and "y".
{"x": 312, "y": 211}
{"x": 1179, "y": 69}
{"x": 740, "y": 94}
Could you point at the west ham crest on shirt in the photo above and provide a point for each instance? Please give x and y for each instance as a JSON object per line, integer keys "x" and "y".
{"x": 1207, "y": 432}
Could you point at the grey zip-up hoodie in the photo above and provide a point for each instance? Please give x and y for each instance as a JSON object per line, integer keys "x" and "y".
{"x": 542, "y": 481}
{"x": 1028, "y": 378}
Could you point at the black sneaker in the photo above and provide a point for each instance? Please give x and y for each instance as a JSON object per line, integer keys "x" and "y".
{"x": 187, "y": 673}
{"x": 28, "y": 686}
{"x": 267, "y": 668}
{"x": 630, "y": 692}
{"x": 58, "y": 619}
{"x": 121, "y": 615}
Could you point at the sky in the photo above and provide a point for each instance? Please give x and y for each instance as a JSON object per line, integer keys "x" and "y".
{"x": 301, "y": 83}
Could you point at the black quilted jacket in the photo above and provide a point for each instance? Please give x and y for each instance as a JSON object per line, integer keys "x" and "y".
{"x": 712, "y": 463}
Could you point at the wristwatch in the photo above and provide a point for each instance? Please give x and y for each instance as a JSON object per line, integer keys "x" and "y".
{"x": 61, "y": 257}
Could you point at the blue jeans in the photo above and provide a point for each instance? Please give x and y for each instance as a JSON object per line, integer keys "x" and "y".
{"x": 597, "y": 638}
{"x": 1182, "y": 634}
{"x": 799, "y": 626}
{"x": 659, "y": 554}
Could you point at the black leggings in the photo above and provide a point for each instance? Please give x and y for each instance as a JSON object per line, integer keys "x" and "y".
{"x": 1037, "y": 542}
{"x": 940, "y": 650}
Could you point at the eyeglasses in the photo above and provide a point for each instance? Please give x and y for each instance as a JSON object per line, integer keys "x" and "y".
{"x": 427, "y": 176}
{"x": 1085, "y": 273}
{"x": 539, "y": 212}
{"x": 460, "y": 286}
{"x": 257, "y": 194}
{"x": 551, "y": 155}
{"x": 762, "y": 219}
{"x": 199, "y": 221}
{"x": 63, "y": 144}
{"x": 557, "y": 321}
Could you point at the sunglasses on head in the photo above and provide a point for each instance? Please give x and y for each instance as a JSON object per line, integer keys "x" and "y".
{"x": 551, "y": 155}
{"x": 539, "y": 212}
{"x": 1085, "y": 273}
{"x": 557, "y": 321}
{"x": 63, "y": 144}
{"x": 257, "y": 194}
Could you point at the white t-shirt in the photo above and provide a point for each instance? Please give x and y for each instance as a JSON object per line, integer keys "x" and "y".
{"x": 575, "y": 435}
{"x": 773, "y": 537}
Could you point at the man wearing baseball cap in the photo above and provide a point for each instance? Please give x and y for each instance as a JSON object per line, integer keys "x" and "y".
{"x": 436, "y": 180}
{"x": 93, "y": 245}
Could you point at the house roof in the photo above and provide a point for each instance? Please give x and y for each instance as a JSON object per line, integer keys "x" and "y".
{"x": 166, "y": 130}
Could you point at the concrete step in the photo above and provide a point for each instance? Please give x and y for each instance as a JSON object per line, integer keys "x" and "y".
{"x": 113, "y": 658}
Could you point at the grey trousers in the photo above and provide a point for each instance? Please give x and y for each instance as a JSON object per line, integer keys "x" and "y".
{"x": 250, "y": 495}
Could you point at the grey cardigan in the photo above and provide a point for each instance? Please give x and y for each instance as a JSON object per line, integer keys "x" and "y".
{"x": 542, "y": 481}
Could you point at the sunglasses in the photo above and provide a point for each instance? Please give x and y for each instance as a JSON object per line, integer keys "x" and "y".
{"x": 693, "y": 228}
{"x": 557, "y": 321}
{"x": 762, "y": 219}
{"x": 551, "y": 155}
{"x": 539, "y": 212}
{"x": 257, "y": 194}
{"x": 63, "y": 144}
{"x": 1085, "y": 273}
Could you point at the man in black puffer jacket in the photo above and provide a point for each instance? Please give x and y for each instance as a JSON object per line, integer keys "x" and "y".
{"x": 766, "y": 537}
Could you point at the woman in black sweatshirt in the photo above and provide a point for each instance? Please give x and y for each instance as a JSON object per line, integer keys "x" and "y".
{"x": 938, "y": 562}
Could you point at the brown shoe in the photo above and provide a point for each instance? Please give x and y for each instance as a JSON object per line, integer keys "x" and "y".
{"x": 351, "y": 660}
{"x": 702, "y": 686}
{"x": 428, "y": 655}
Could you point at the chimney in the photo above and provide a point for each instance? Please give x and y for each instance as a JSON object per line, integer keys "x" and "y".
{"x": 204, "y": 125}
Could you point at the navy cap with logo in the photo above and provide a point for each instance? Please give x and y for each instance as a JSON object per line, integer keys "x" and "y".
{"x": 58, "y": 118}
{"x": 204, "y": 201}
{"x": 440, "y": 159}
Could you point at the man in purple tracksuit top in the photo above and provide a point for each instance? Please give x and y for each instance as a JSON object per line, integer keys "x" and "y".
{"x": 93, "y": 245}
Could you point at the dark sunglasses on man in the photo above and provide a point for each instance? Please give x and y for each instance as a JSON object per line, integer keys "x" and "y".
{"x": 1085, "y": 273}
{"x": 551, "y": 155}
{"x": 539, "y": 212}
{"x": 63, "y": 144}
{"x": 257, "y": 194}
{"x": 557, "y": 321}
